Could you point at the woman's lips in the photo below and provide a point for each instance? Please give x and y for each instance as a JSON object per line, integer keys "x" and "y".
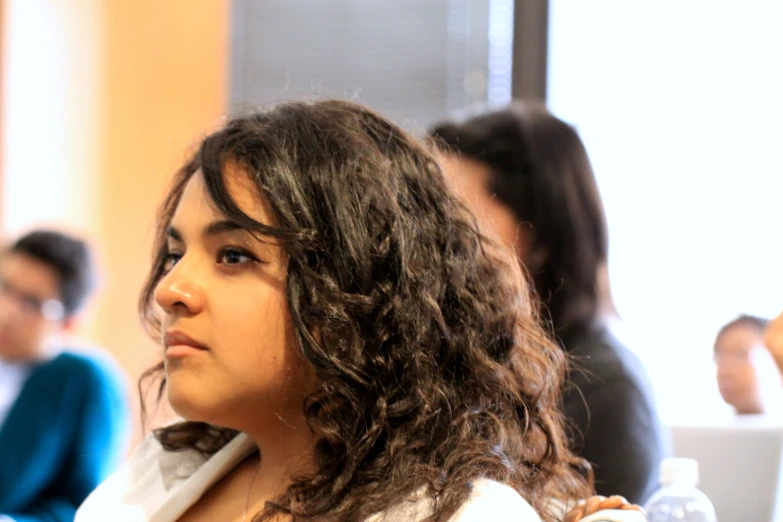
{"x": 178, "y": 344}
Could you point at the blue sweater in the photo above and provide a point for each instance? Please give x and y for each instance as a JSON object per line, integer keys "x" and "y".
{"x": 64, "y": 434}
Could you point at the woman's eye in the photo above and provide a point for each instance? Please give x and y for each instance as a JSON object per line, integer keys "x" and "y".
{"x": 171, "y": 259}
{"x": 234, "y": 256}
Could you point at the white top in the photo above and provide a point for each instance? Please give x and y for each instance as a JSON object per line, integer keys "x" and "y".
{"x": 160, "y": 486}
{"x": 12, "y": 378}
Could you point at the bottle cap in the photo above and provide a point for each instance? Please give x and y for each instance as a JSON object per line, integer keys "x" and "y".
{"x": 679, "y": 470}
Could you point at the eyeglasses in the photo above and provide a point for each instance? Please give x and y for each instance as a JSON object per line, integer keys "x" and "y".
{"x": 31, "y": 305}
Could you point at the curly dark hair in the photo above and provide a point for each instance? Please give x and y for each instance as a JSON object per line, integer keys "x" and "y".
{"x": 432, "y": 368}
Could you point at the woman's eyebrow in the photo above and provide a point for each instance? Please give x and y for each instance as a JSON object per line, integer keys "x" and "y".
{"x": 220, "y": 227}
{"x": 173, "y": 233}
{"x": 213, "y": 229}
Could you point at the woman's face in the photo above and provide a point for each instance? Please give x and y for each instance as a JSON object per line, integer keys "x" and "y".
{"x": 228, "y": 340}
{"x": 470, "y": 180}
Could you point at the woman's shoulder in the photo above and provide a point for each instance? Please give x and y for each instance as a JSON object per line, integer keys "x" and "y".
{"x": 600, "y": 358}
{"x": 488, "y": 500}
{"x": 491, "y": 500}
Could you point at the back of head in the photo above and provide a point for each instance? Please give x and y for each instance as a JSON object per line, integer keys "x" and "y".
{"x": 541, "y": 171}
{"x": 71, "y": 260}
{"x": 432, "y": 369}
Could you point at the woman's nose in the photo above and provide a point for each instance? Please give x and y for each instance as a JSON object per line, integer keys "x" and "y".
{"x": 180, "y": 290}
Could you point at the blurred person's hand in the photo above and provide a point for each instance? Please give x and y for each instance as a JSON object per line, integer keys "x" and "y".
{"x": 773, "y": 339}
{"x": 611, "y": 507}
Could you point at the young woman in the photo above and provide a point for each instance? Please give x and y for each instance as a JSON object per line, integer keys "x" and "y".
{"x": 344, "y": 344}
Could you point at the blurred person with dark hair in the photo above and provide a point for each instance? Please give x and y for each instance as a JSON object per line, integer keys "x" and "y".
{"x": 747, "y": 377}
{"x": 64, "y": 414}
{"x": 527, "y": 175}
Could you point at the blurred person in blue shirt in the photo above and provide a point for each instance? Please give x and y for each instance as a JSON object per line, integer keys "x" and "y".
{"x": 64, "y": 415}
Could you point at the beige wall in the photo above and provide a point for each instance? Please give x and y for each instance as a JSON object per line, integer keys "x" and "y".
{"x": 50, "y": 86}
{"x": 165, "y": 83}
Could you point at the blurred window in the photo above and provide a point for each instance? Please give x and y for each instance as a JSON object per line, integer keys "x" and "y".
{"x": 415, "y": 61}
{"x": 680, "y": 106}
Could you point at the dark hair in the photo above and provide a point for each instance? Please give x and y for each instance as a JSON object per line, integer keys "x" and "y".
{"x": 752, "y": 321}
{"x": 69, "y": 257}
{"x": 432, "y": 368}
{"x": 541, "y": 171}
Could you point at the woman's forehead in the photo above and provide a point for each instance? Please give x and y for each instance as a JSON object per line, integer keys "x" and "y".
{"x": 196, "y": 201}
{"x": 244, "y": 191}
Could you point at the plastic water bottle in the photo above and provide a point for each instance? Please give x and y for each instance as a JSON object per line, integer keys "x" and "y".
{"x": 679, "y": 499}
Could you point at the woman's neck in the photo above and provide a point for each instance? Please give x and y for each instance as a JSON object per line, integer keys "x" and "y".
{"x": 286, "y": 449}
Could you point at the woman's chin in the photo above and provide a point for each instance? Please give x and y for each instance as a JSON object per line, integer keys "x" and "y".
{"x": 187, "y": 405}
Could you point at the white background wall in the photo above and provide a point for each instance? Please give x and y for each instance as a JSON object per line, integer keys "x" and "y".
{"x": 49, "y": 113}
{"x": 680, "y": 104}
